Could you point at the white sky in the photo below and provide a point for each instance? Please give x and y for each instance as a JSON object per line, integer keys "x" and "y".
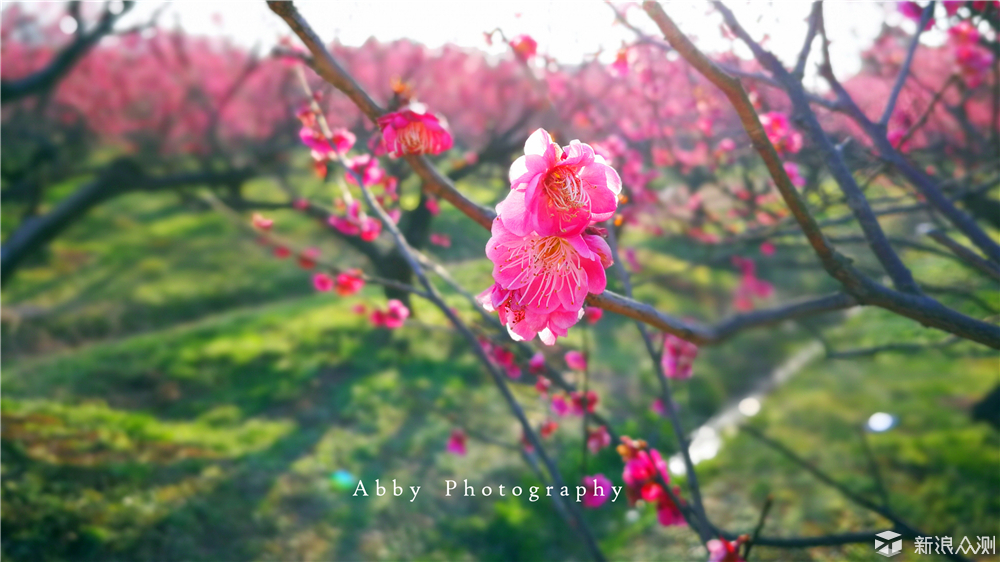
{"x": 568, "y": 30}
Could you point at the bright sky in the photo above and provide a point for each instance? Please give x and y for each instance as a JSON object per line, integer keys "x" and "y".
{"x": 568, "y": 30}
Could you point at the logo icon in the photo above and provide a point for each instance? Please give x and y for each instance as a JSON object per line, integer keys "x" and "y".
{"x": 888, "y": 543}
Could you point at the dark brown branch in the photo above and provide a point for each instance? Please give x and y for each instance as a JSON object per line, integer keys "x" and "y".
{"x": 904, "y": 71}
{"x": 808, "y": 542}
{"x": 905, "y": 348}
{"x": 120, "y": 177}
{"x": 900, "y": 525}
{"x": 814, "y": 16}
{"x": 44, "y": 79}
{"x": 964, "y": 254}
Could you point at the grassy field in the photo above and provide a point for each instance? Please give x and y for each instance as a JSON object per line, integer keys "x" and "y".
{"x": 171, "y": 392}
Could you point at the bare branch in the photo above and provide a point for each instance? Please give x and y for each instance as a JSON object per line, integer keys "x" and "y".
{"x": 814, "y": 16}
{"x": 904, "y": 71}
{"x": 121, "y": 176}
{"x": 920, "y": 180}
{"x": 964, "y": 254}
{"x": 900, "y": 525}
{"x": 703, "y": 526}
{"x": 47, "y": 77}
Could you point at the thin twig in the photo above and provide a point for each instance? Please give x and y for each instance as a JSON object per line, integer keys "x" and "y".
{"x": 884, "y": 511}
{"x": 873, "y": 467}
{"x": 904, "y": 71}
{"x": 704, "y": 526}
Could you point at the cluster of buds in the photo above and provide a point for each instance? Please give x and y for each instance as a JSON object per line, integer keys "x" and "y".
{"x": 645, "y": 474}
{"x": 678, "y": 357}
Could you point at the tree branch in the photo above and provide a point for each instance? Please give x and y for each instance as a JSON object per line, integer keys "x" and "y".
{"x": 44, "y": 79}
{"x": 904, "y": 70}
{"x": 121, "y": 176}
{"x": 866, "y": 291}
{"x": 900, "y": 525}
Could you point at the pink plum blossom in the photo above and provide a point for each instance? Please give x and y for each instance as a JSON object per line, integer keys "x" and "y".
{"x": 559, "y": 405}
{"x": 548, "y": 428}
{"x": 260, "y": 222}
{"x": 349, "y": 282}
{"x": 598, "y": 439}
{"x": 340, "y": 141}
{"x": 542, "y": 281}
{"x": 322, "y": 282}
{"x": 366, "y": 166}
{"x": 414, "y": 130}
{"x": 974, "y": 62}
{"x": 721, "y": 550}
{"x": 308, "y": 257}
{"x": 643, "y": 473}
{"x": 726, "y": 145}
{"x": 951, "y": 6}
{"x": 558, "y": 191}
{"x": 524, "y": 47}
{"x": 915, "y": 12}
{"x": 393, "y": 317}
{"x": 513, "y": 372}
{"x": 767, "y": 248}
{"x": 442, "y": 240}
{"x": 963, "y": 33}
{"x": 621, "y": 64}
{"x": 678, "y": 358}
{"x": 356, "y": 224}
{"x": 536, "y": 364}
{"x": 433, "y": 206}
{"x": 503, "y": 356}
{"x": 456, "y": 443}
{"x": 598, "y": 490}
{"x": 750, "y": 287}
{"x": 578, "y": 399}
{"x": 657, "y": 407}
{"x": 576, "y": 361}
{"x": 542, "y": 385}
{"x": 592, "y": 314}
{"x": 778, "y": 128}
{"x": 792, "y": 169}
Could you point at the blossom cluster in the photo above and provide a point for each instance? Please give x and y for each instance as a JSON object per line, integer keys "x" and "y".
{"x": 721, "y": 550}
{"x": 546, "y": 252}
{"x": 973, "y": 60}
{"x": 645, "y": 474}
{"x": 678, "y": 357}
{"x": 750, "y": 287}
